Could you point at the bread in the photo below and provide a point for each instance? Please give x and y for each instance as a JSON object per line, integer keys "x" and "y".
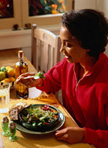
{"x": 14, "y": 111}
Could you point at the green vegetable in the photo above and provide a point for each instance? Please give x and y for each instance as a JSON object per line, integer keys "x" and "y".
{"x": 37, "y": 116}
{"x": 25, "y": 118}
{"x": 40, "y": 75}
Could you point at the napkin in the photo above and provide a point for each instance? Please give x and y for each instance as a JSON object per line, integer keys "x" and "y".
{"x": 34, "y": 92}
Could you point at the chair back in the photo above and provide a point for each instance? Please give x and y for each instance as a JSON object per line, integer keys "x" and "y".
{"x": 45, "y": 49}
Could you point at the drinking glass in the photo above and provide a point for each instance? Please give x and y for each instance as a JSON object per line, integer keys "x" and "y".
{"x": 4, "y": 97}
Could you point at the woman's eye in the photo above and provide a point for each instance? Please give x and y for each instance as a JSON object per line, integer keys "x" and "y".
{"x": 68, "y": 44}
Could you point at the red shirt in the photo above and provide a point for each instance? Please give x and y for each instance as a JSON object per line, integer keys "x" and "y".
{"x": 86, "y": 99}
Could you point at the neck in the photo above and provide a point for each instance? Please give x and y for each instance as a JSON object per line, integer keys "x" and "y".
{"x": 86, "y": 66}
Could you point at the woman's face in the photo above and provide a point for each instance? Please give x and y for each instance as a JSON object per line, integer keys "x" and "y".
{"x": 71, "y": 48}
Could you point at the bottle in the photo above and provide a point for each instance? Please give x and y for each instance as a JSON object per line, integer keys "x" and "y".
{"x": 21, "y": 67}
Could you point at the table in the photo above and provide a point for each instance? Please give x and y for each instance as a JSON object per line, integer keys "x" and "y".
{"x": 9, "y": 57}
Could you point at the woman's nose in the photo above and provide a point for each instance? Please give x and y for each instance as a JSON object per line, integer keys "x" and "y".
{"x": 62, "y": 48}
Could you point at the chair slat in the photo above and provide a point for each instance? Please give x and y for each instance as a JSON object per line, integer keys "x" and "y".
{"x": 47, "y": 43}
{"x": 39, "y": 55}
{"x": 45, "y": 49}
{"x": 52, "y": 57}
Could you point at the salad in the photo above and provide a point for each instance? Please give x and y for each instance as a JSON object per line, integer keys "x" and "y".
{"x": 39, "y": 117}
{"x": 40, "y": 75}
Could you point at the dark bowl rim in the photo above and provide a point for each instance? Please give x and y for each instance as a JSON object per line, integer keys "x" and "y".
{"x": 45, "y": 127}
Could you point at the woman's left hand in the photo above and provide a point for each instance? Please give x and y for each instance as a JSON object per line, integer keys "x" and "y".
{"x": 71, "y": 134}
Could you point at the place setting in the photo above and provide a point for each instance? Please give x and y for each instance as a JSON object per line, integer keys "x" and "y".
{"x": 36, "y": 118}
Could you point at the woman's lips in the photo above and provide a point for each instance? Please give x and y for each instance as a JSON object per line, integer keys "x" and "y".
{"x": 67, "y": 57}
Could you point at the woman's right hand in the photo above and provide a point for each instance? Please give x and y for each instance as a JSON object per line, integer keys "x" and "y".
{"x": 29, "y": 80}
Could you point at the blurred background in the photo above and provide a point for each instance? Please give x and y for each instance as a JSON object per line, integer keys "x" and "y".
{"x": 17, "y": 16}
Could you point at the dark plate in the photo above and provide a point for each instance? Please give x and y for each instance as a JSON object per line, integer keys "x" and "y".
{"x": 59, "y": 125}
{"x": 33, "y": 126}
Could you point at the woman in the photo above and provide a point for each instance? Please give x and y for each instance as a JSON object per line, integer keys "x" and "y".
{"x": 83, "y": 77}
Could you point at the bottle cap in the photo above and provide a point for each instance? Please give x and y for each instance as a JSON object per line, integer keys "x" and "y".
{"x": 12, "y": 125}
{"x": 20, "y": 53}
{"x": 5, "y": 119}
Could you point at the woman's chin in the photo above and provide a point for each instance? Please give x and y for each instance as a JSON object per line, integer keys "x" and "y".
{"x": 70, "y": 60}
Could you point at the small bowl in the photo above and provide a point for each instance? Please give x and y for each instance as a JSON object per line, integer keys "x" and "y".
{"x": 32, "y": 122}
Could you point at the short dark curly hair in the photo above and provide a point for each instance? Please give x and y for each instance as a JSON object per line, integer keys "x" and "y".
{"x": 90, "y": 27}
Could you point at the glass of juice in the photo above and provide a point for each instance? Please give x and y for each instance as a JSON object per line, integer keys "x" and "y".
{"x": 4, "y": 97}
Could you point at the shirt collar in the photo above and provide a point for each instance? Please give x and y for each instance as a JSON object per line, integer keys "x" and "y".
{"x": 97, "y": 66}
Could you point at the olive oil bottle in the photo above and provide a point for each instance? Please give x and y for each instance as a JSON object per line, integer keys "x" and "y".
{"x": 21, "y": 67}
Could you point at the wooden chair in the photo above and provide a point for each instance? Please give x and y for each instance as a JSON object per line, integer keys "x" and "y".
{"x": 45, "y": 49}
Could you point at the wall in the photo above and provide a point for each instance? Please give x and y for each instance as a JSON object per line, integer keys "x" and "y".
{"x": 105, "y": 10}
{"x": 105, "y": 7}
{"x": 82, "y": 4}
{"x": 22, "y": 39}
{"x": 101, "y": 5}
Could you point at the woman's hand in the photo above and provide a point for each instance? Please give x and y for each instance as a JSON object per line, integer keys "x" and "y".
{"x": 71, "y": 135}
{"x": 29, "y": 80}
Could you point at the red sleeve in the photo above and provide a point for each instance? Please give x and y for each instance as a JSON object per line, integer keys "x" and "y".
{"x": 52, "y": 81}
{"x": 98, "y": 138}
